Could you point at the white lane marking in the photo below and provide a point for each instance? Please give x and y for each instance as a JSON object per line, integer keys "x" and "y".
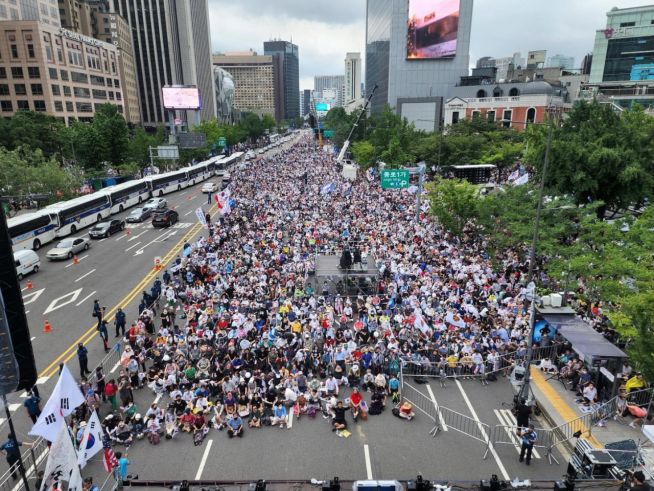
{"x": 505, "y": 474}
{"x": 161, "y": 238}
{"x": 440, "y": 415}
{"x": 183, "y": 193}
{"x": 157, "y": 399}
{"x": 115, "y": 367}
{"x": 121, "y": 237}
{"x": 203, "y": 462}
{"x": 23, "y": 289}
{"x": 366, "y": 453}
{"x": 102, "y": 240}
{"x": 42, "y": 380}
{"x": 511, "y": 424}
{"x": 135, "y": 237}
{"x": 85, "y": 298}
{"x": 183, "y": 224}
{"x": 290, "y": 419}
{"x": 185, "y": 214}
{"x": 32, "y": 296}
{"x": 32, "y": 338}
{"x": 132, "y": 247}
{"x": 62, "y": 301}
{"x": 2, "y": 421}
{"x": 14, "y": 407}
{"x": 85, "y": 275}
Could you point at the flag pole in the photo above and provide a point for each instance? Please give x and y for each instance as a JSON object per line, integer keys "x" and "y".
{"x": 12, "y": 432}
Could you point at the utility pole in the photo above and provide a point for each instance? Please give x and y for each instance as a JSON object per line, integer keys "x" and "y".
{"x": 12, "y": 435}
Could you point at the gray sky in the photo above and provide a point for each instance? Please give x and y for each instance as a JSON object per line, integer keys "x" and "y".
{"x": 325, "y": 30}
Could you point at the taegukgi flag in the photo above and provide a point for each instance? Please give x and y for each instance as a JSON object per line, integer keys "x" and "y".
{"x": 91, "y": 442}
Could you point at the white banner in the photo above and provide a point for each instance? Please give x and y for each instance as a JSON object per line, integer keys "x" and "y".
{"x": 62, "y": 464}
{"x": 202, "y": 219}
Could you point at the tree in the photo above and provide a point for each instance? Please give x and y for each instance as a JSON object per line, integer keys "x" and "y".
{"x": 453, "y": 202}
{"x": 138, "y": 148}
{"x": 363, "y": 153}
{"x": 395, "y": 155}
{"x": 112, "y": 131}
{"x": 253, "y": 125}
{"x": 33, "y": 130}
{"x": 269, "y": 122}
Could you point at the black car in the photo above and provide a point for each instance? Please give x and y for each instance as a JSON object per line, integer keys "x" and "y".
{"x": 165, "y": 218}
{"x": 105, "y": 229}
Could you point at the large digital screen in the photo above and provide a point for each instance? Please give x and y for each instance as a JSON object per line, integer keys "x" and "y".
{"x": 322, "y": 106}
{"x": 642, "y": 72}
{"x": 432, "y": 29}
{"x": 181, "y": 97}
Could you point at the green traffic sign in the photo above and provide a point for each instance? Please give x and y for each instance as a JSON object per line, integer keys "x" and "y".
{"x": 327, "y": 133}
{"x": 222, "y": 141}
{"x": 394, "y": 179}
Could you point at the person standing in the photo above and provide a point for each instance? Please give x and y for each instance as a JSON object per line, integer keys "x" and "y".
{"x": 528, "y": 439}
{"x": 209, "y": 196}
{"x": 33, "y": 406}
{"x": 120, "y": 321}
{"x": 104, "y": 335}
{"x": 110, "y": 390}
{"x": 12, "y": 452}
{"x": 523, "y": 411}
{"x": 83, "y": 358}
{"x": 100, "y": 383}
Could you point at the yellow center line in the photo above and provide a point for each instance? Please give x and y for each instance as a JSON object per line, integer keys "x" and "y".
{"x": 561, "y": 406}
{"x": 67, "y": 354}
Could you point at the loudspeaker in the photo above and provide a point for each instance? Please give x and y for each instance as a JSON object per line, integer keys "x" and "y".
{"x": 17, "y": 365}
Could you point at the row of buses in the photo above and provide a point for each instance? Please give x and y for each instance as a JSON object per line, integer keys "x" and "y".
{"x": 67, "y": 217}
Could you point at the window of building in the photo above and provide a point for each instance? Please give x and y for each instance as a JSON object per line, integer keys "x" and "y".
{"x": 481, "y": 93}
{"x": 475, "y": 114}
{"x": 490, "y": 115}
{"x": 82, "y": 92}
{"x": 3, "y": 12}
{"x": 64, "y": 74}
{"x": 99, "y": 94}
{"x": 67, "y": 91}
{"x": 111, "y": 96}
{"x": 3, "y": 72}
{"x": 23, "y": 105}
{"x": 627, "y": 24}
{"x": 48, "y": 52}
{"x": 33, "y": 72}
{"x": 14, "y": 50}
{"x": 20, "y": 89}
{"x": 69, "y": 106}
{"x": 54, "y": 74}
{"x": 79, "y": 77}
{"x": 96, "y": 80}
{"x": 620, "y": 56}
{"x": 531, "y": 115}
{"x": 39, "y": 106}
{"x": 4, "y": 89}
{"x": 30, "y": 51}
{"x": 118, "y": 96}
{"x": 84, "y": 107}
{"x": 514, "y": 92}
{"x": 60, "y": 55}
{"x": 59, "y": 106}
{"x": 37, "y": 89}
{"x": 116, "y": 83}
{"x": 506, "y": 118}
{"x": 455, "y": 117}
{"x": 6, "y": 106}
{"x": 56, "y": 90}
{"x": 497, "y": 92}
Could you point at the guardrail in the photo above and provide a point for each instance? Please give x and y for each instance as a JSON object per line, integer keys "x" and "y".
{"x": 32, "y": 458}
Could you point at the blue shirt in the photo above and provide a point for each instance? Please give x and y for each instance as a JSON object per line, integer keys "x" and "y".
{"x": 235, "y": 423}
{"x": 280, "y": 412}
{"x": 11, "y": 447}
{"x": 122, "y": 467}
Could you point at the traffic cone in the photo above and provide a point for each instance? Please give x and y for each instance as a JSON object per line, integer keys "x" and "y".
{"x": 29, "y": 284}
{"x": 128, "y": 231}
{"x": 75, "y": 260}
{"x": 47, "y": 327}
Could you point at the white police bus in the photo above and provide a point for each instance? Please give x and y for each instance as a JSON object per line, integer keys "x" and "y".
{"x": 198, "y": 172}
{"x": 169, "y": 182}
{"x": 32, "y": 231}
{"x": 80, "y": 212}
{"x": 127, "y": 194}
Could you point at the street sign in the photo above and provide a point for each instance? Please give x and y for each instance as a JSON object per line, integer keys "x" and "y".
{"x": 328, "y": 133}
{"x": 394, "y": 179}
{"x": 222, "y": 141}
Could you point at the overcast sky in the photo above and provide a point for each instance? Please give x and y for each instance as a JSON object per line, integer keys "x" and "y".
{"x": 325, "y": 30}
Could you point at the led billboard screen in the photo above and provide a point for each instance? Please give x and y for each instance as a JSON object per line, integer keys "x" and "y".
{"x": 322, "y": 106}
{"x": 181, "y": 97}
{"x": 432, "y": 29}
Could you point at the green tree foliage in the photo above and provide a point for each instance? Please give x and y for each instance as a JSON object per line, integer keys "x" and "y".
{"x": 35, "y": 130}
{"x": 453, "y": 202}
{"x": 139, "y": 144}
{"x": 269, "y": 122}
{"x": 111, "y": 128}
{"x": 599, "y": 155}
{"x": 253, "y": 125}
{"x": 363, "y": 153}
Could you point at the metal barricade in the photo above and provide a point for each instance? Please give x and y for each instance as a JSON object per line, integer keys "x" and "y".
{"x": 641, "y": 398}
{"x": 32, "y": 459}
{"x": 510, "y": 435}
{"x": 572, "y": 429}
{"x": 466, "y": 425}
{"x": 604, "y": 412}
{"x": 108, "y": 362}
{"x": 424, "y": 404}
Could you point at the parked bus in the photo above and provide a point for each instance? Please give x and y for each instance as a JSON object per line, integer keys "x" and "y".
{"x": 80, "y": 212}
{"x": 128, "y": 194}
{"x": 161, "y": 184}
{"x": 227, "y": 162}
{"x": 33, "y": 230}
{"x": 198, "y": 173}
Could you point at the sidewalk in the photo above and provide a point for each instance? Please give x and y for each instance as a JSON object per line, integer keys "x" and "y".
{"x": 559, "y": 407}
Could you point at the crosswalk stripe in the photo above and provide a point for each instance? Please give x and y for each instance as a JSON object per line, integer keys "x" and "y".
{"x": 507, "y": 418}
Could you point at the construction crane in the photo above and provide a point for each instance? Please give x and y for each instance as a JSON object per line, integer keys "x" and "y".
{"x": 346, "y": 144}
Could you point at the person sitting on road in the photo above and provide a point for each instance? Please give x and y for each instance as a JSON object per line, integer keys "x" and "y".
{"x": 355, "y": 403}
{"x": 235, "y": 426}
{"x": 338, "y": 421}
{"x": 406, "y": 411}
{"x": 280, "y": 415}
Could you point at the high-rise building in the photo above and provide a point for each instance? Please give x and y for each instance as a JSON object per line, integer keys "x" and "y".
{"x": 306, "y": 102}
{"x": 415, "y": 54}
{"x": 331, "y": 83}
{"x": 536, "y": 59}
{"x": 287, "y": 77}
{"x": 561, "y": 61}
{"x": 254, "y": 81}
{"x": 171, "y": 42}
{"x": 50, "y": 69}
{"x": 352, "y": 77}
{"x": 45, "y": 11}
{"x": 225, "y": 91}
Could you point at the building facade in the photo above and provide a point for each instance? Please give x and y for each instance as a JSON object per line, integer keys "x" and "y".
{"x": 398, "y": 76}
{"x": 352, "y": 89}
{"x": 328, "y": 83}
{"x": 225, "y": 90}
{"x": 561, "y": 61}
{"x": 306, "y": 101}
{"x": 254, "y": 81}
{"x": 513, "y": 105}
{"x": 45, "y": 11}
{"x": 287, "y": 77}
{"x": 46, "y": 68}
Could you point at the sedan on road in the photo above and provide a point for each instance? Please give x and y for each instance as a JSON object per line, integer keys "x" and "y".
{"x": 67, "y": 248}
{"x": 165, "y": 218}
{"x": 104, "y": 229}
{"x": 156, "y": 204}
{"x": 209, "y": 187}
{"x": 138, "y": 215}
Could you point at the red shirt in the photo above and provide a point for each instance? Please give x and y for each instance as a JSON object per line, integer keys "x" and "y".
{"x": 356, "y": 398}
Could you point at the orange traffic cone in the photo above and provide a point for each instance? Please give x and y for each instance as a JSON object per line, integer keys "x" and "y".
{"x": 47, "y": 327}
{"x": 75, "y": 260}
{"x": 29, "y": 285}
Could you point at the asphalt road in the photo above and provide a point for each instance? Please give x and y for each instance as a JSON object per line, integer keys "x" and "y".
{"x": 116, "y": 270}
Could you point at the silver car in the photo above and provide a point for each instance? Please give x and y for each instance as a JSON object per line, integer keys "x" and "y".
{"x": 67, "y": 248}
{"x": 154, "y": 204}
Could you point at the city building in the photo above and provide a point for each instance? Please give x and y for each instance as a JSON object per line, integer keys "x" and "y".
{"x": 46, "y": 68}
{"x": 512, "y": 105}
{"x": 561, "y": 61}
{"x": 536, "y": 59}
{"x": 622, "y": 70}
{"x": 254, "y": 81}
{"x": 415, "y": 58}
{"x": 332, "y": 87}
{"x": 225, "y": 91}
{"x": 306, "y": 102}
{"x": 76, "y": 15}
{"x": 287, "y": 77}
{"x": 352, "y": 88}
{"x": 45, "y": 11}
{"x": 171, "y": 42}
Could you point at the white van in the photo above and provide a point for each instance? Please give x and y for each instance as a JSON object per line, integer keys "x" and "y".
{"x": 27, "y": 261}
